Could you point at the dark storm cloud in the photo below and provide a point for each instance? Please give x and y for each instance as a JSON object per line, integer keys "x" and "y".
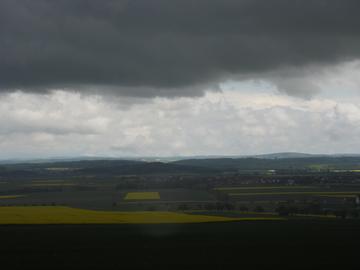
{"x": 165, "y": 47}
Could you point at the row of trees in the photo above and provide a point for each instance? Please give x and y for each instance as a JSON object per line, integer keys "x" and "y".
{"x": 288, "y": 209}
{"x": 220, "y": 206}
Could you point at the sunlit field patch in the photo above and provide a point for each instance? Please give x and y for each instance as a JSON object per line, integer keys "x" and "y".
{"x": 67, "y": 215}
{"x": 142, "y": 196}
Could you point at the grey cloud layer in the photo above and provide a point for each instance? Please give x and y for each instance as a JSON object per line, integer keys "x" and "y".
{"x": 165, "y": 47}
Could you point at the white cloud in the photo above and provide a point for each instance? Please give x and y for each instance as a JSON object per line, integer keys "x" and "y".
{"x": 233, "y": 121}
{"x": 57, "y": 113}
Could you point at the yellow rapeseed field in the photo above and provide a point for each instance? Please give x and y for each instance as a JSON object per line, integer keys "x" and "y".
{"x": 67, "y": 215}
{"x": 142, "y": 196}
{"x": 11, "y": 196}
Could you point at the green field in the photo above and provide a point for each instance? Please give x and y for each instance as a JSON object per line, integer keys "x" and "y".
{"x": 320, "y": 193}
{"x": 295, "y": 244}
{"x": 285, "y": 190}
{"x": 142, "y": 196}
{"x": 261, "y": 187}
{"x": 47, "y": 181}
{"x": 52, "y": 185}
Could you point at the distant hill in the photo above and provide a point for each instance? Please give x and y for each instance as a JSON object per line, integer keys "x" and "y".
{"x": 110, "y": 167}
{"x": 99, "y": 167}
{"x": 234, "y": 164}
{"x": 170, "y": 159}
{"x": 283, "y": 155}
{"x": 286, "y": 155}
{"x": 148, "y": 168}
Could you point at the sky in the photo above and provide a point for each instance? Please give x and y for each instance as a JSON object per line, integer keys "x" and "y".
{"x": 178, "y": 77}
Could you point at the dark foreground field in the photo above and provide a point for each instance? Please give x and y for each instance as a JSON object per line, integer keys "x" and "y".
{"x": 299, "y": 244}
